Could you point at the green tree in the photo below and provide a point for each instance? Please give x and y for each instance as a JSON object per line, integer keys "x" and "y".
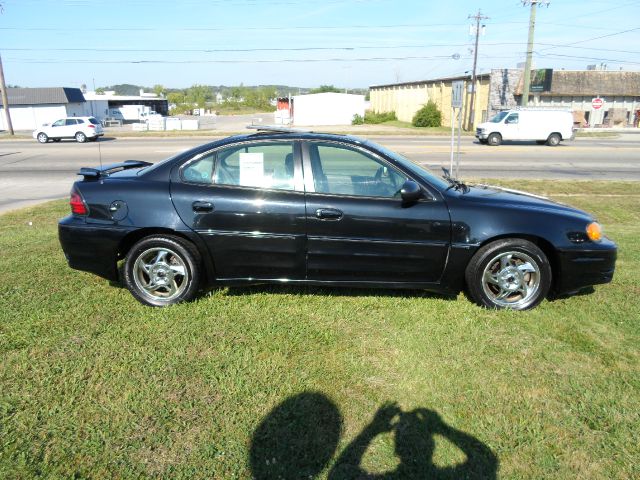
{"x": 325, "y": 89}
{"x": 177, "y": 98}
{"x": 428, "y": 116}
{"x": 159, "y": 90}
{"x": 199, "y": 95}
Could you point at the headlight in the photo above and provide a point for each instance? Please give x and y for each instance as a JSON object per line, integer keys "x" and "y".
{"x": 594, "y": 232}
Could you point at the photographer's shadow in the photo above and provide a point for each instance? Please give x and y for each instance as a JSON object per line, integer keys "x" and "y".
{"x": 414, "y": 445}
{"x": 298, "y": 439}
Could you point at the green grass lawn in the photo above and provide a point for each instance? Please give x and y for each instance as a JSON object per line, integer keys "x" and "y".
{"x": 309, "y": 383}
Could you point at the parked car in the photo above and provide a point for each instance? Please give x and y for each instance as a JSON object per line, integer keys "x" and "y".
{"x": 288, "y": 207}
{"x": 542, "y": 125}
{"x": 79, "y": 128}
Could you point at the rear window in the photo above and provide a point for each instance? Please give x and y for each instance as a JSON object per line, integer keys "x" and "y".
{"x": 94, "y": 121}
{"x": 80, "y": 120}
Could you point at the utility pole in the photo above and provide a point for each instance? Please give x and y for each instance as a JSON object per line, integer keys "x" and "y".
{"x": 5, "y": 100}
{"x": 527, "y": 66}
{"x": 478, "y": 17}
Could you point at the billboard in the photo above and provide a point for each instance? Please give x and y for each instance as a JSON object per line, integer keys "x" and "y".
{"x": 541, "y": 80}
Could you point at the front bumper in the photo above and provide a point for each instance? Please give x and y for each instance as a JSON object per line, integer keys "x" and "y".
{"x": 91, "y": 248}
{"x": 583, "y": 267}
{"x": 481, "y": 134}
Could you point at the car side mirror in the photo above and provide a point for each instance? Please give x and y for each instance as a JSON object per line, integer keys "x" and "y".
{"x": 410, "y": 192}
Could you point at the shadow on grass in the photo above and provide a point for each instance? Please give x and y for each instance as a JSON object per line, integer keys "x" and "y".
{"x": 331, "y": 291}
{"x": 298, "y": 439}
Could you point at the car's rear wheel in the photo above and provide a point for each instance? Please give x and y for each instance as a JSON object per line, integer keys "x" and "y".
{"x": 554, "y": 139}
{"x": 494, "y": 139}
{"x": 162, "y": 270}
{"x": 511, "y": 273}
{"x": 81, "y": 137}
{"x": 42, "y": 137}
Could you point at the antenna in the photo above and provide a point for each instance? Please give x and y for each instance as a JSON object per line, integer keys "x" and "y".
{"x": 99, "y": 151}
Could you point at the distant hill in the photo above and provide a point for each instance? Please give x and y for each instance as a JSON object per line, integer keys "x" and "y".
{"x": 281, "y": 90}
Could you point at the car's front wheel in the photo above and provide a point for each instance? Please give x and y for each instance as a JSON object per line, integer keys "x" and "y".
{"x": 42, "y": 137}
{"x": 511, "y": 273}
{"x": 162, "y": 270}
{"x": 494, "y": 139}
{"x": 81, "y": 137}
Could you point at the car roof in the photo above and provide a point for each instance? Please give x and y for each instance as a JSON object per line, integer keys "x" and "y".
{"x": 163, "y": 167}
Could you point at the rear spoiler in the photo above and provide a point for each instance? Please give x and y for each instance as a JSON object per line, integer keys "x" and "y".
{"x": 95, "y": 173}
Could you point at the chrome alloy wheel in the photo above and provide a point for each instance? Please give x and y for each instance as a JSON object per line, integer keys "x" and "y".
{"x": 160, "y": 274}
{"x": 511, "y": 280}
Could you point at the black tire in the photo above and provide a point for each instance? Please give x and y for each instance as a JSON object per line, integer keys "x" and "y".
{"x": 554, "y": 140}
{"x": 510, "y": 273}
{"x": 162, "y": 270}
{"x": 494, "y": 139}
{"x": 81, "y": 137}
{"x": 42, "y": 137}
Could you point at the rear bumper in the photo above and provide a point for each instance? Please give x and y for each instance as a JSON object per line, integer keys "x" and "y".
{"x": 91, "y": 248}
{"x": 582, "y": 268}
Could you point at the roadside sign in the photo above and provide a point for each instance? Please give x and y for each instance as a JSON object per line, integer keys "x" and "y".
{"x": 597, "y": 103}
{"x": 457, "y": 88}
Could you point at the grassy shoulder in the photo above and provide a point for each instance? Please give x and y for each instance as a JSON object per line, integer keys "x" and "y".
{"x": 94, "y": 385}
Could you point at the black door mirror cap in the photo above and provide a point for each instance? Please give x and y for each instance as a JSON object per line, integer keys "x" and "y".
{"x": 410, "y": 192}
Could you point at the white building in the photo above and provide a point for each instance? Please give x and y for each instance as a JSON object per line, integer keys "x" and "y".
{"x": 32, "y": 107}
{"x": 327, "y": 108}
{"x": 99, "y": 104}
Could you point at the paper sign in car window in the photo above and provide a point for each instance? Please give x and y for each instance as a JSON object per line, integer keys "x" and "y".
{"x": 252, "y": 169}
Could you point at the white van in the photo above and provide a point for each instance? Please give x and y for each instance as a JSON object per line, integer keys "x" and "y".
{"x": 543, "y": 126}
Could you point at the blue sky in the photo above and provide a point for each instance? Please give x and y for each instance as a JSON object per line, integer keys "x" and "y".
{"x": 347, "y": 43}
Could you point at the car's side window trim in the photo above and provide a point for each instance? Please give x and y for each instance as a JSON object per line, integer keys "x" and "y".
{"x": 309, "y": 184}
{"x": 298, "y": 182}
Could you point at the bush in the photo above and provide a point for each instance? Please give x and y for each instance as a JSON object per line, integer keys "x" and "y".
{"x": 375, "y": 118}
{"x": 428, "y": 116}
{"x": 357, "y": 120}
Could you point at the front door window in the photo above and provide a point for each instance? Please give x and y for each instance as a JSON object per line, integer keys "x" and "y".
{"x": 341, "y": 170}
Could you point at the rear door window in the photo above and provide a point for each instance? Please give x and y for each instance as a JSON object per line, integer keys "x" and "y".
{"x": 265, "y": 165}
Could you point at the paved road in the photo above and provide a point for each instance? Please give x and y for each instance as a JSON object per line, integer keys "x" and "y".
{"x": 31, "y": 172}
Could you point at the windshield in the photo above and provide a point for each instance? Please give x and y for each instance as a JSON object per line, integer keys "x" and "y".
{"x": 499, "y": 117}
{"x": 414, "y": 168}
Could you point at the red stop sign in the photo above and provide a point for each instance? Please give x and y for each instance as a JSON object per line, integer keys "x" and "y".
{"x": 597, "y": 103}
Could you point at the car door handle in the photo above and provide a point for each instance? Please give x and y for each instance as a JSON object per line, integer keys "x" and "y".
{"x": 202, "y": 207}
{"x": 328, "y": 214}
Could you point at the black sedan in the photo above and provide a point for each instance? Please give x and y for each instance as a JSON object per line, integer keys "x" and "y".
{"x": 290, "y": 207}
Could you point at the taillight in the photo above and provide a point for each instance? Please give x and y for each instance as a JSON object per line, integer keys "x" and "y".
{"x": 77, "y": 204}
{"x": 91, "y": 125}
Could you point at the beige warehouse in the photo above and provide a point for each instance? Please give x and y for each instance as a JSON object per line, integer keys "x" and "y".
{"x": 502, "y": 89}
{"x": 405, "y": 99}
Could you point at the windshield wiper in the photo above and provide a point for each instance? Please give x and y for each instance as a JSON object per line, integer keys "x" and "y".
{"x": 454, "y": 182}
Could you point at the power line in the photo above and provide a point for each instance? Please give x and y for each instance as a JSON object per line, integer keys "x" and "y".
{"x": 286, "y": 60}
{"x": 224, "y": 29}
{"x": 594, "y": 38}
{"x": 291, "y": 49}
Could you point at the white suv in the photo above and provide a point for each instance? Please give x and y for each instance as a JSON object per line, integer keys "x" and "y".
{"x": 80, "y": 128}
